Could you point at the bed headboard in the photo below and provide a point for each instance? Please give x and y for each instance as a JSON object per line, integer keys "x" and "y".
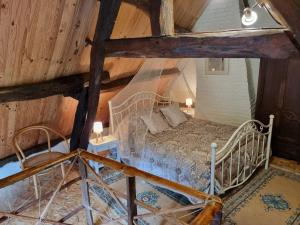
{"x": 137, "y": 102}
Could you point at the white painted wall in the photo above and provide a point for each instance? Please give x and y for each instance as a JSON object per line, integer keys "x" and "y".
{"x": 222, "y": 98}
{"x": 231, "y": 98}
{"x": 219, "y": 15}
{"x": 185, "y": 85}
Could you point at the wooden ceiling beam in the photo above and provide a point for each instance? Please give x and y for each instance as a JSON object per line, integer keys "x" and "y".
{"x": 261, "y": 43}
{"x": 288, "y": 13}
{"x": 67, "y": 86}
{"x": 107, "y": 16}
{"x": 162, "y": 17}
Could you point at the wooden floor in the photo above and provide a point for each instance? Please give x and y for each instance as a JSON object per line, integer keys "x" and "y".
{"x": 285, "y": 164}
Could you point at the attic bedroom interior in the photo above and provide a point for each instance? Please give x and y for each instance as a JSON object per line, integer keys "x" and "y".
{"x": 146, "y": 112}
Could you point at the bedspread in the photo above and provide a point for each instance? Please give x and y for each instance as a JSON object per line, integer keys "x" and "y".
{"x": 182, "y": 154}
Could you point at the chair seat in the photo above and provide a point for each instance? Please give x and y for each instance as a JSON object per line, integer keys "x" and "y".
{"x": 40, "y": 159}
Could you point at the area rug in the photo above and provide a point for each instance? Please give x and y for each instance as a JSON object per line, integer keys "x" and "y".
{"x": 148, "y": 193}
{"x": 272, "y": 197}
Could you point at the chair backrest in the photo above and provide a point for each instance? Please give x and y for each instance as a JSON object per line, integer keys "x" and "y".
{"x": 47, "y": 130}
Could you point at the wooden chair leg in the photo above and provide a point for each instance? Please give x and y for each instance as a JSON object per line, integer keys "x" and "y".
{"x": 36, "y": 190}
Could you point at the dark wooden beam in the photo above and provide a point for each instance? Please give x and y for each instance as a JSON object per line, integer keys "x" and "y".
{"x": 262, "y": 43}
{"x": 106, "y": 19}
{"x": 67, "y": 86}
{"x": 161, "y": 17}
{"x": 288, "y": 13}
{"x": 72, "y": 86}
{"x": 154, "y": 13}
{"x": 131, "y": 196}
{"x": 107, "y": 15}
{"x": 79, "y": 119}
{"x": 84, "y": 186}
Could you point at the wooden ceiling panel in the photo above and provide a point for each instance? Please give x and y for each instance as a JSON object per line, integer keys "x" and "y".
{"x": 187, "y": 12}
{"x": 56, "y": 111}
{"x": 41, "y": 40}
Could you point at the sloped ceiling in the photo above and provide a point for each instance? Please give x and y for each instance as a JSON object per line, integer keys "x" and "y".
{"x": 41, "y": 40}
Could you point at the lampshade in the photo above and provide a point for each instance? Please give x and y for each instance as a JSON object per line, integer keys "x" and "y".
{"x": 98, "y": 127}
{"x": 189, "y": 102}
{"x": 249, "y": 17}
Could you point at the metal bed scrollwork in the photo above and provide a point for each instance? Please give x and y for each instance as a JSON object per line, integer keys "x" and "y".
{"x": 247, "y": 149}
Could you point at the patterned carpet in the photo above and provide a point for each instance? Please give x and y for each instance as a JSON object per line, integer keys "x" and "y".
{"x": 150, "y": 194}
{"x": 272, "y": 197}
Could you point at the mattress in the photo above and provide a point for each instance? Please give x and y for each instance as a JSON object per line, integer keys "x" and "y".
{"x": 182, "y": 154}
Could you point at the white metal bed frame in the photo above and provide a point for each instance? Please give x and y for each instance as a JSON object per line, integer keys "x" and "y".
{"x": 250, "y": 144}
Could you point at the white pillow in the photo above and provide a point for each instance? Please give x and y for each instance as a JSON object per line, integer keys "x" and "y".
{"x": 173, "y": 115}
{"x": 155, "y": 123}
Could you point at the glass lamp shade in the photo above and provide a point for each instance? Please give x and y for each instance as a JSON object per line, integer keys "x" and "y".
{"x": 249, "y": 17}
{"x": 98, "y": 127}
{"x": 189, "y": 102}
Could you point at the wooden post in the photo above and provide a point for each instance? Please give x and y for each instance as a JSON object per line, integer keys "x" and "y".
{"x": 131, "y": 196}
{"x": 85, "y": 193}
{"x": 162, "y": 17}
{"x": 166, "y": 18}
{"x": 106, "y": 19}
{"x": 79, "y": 120}
{"x": 217, "y": 220}
{"x": 154, "y": 11}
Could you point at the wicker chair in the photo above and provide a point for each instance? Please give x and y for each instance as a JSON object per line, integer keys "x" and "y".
{"x": 39, "y": 158}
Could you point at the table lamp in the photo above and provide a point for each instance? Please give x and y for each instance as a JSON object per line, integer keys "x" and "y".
{"x": 189, "y": 103}
{"x": 98, "y": 129}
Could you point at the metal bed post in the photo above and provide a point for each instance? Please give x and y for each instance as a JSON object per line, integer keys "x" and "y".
{"x": 269, "y": 141}
{"x": 212, "y": 167}
{"x": 111, "y": 125}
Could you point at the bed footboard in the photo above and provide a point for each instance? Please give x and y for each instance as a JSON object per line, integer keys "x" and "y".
{"x": 247, "y": 149}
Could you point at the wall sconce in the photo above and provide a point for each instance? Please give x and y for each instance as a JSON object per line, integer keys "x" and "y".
{"x": 98, "y": 129}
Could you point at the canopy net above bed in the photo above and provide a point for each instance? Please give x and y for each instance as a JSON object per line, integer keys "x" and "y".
{"x": 138, "y": 99}
{"x": 187, "y": 151}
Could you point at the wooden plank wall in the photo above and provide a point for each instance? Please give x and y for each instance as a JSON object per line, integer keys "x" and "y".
{"x": 41, "y": 40}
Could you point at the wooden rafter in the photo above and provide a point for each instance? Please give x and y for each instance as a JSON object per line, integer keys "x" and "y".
{"x": 66, "y": 86}
{"x": 161, "y": 17}
{"x": 107, "y": 15}
{"x": 106, "y": 19}
{"x": 288, "y": 13}
{"x": 265, "y": 43}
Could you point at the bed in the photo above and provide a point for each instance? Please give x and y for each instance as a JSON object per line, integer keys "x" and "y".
{"x": 207, "y": 156}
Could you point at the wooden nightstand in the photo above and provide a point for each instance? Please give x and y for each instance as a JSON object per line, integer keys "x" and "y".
{"x": 109, "y": 147}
